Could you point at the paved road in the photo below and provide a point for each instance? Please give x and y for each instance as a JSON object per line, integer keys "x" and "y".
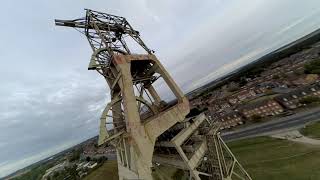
{"x": 289, "y": 122}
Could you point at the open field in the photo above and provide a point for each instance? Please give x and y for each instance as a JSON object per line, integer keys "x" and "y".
{"x": 169, "y": 173}
{"x": 312, "y": 130}
{"x": 273, "y": 159}
{"x": 108, "y": 171}
{"x": 264, "y": 158}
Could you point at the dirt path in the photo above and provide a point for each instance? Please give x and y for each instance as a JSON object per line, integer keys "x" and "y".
{"x": 296, "y": 136}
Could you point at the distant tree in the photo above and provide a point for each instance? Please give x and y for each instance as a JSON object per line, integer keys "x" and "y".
{"x": 193, "y": 112}
{"x": 88, "y": 159}
{"x": 55, "y": 174}
{"x": 255, "y": 72}
{"x": 269, "y": 92}
{"x": 233, "y": 86}
{"x": 242, "y": 81}
{"x": 275, "y": 77}
{"x": 298, "y": 72}
{"x": 101, "y": 159}
{"x": 178, "y": 174}
{"x": 283, "y": 75}
{"x": 256, "y": 118}
{"x": 74, "y": 156}
{"x": 312, "y": 67}
{"x": 309, "y": 100}
{"x": 73, "y": 172}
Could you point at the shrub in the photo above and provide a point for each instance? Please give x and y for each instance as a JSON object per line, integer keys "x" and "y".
{"x": 178, "y": 174}
{"x": 256, "y": 118}
{"x": 309, "y": 100}
{"x": 312, "y": 67}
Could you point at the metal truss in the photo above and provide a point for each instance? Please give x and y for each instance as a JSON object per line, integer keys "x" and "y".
{"x": 139, "y": 116}
{"x": 106, "y": 34}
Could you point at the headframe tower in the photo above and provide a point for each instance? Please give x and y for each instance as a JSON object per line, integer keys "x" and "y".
{"x": 140, "y": 123}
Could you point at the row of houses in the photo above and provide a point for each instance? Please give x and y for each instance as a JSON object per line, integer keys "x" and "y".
{"x": 292, "y": 99}
{"x": 287, "y": 67}
{"x": 266, "y": 107}
{"x": 284, "y": 77}
{"x": 245, "y": 113}
{"x": 245, "y": 94}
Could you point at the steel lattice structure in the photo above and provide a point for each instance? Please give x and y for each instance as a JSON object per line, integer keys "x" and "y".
{"x": 144, "y": 125}
{"x": 106, "y": 33}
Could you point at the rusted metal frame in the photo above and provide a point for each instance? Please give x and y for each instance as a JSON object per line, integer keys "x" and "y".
{"x": 141, "y": 80}
{"x": 146, "y": 103}
{"x": 90, "y": 22}
{"x": 205, "y": 174}
{"x": 185, "y": 159}
{"x": 218, "y": 156}
{"x": 87, "y": 22}
{"x": 106, "y": 74}
{"x": 92, "y": 39}
{"x": 140, "y": 95}
{"x": 120, "y": 149}
{"x": 94, "y": 48}
{"x": 90, "y": 42}
{"x": 105, "y": 14}
{"x": 155, "y": 96}
{"x": 119, "y": 127}
{"x": 125, "y": 152}
{"x": 231, "y": 154}
{"x": 113, "y": 116}
{"x": 119, "y": 113}
{"x": 238, "y": 176}
{"x": 103, "y": 41}
{"x": 224, "y": 164}
{"x": 102, "y": 38}
{"x": 232, "y": 167}
{"x": 130, "y": 31}
{"x": 137, "y": 38}
{"x": 115, "y": 82}
{"x": 124, "y": 44}
{"x": 113, "y": 122}
{"x": 151, "y": 100}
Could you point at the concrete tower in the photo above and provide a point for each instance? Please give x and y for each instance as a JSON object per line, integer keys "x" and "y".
{"x": 138, "y": 121}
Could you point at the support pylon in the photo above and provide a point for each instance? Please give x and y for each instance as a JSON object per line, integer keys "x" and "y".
{"x": 137, "y": 118}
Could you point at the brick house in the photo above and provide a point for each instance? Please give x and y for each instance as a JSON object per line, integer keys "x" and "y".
{"x": 245, "y": 94}
{"x": 219, "y": 105}
{"x": 262, "y": 108}
{"x": 292, "y": 99}
{"x": 195, "y": 102}
{"x": 231, "y": 119}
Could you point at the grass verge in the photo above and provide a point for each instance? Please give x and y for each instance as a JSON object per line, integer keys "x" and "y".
{"x": 312, "y": 130}
{"x": 264, "y": 158}
{"x": 272, "y": 159}
{"x": 108, "y": 171}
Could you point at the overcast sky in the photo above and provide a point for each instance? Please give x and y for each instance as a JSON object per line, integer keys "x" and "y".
{"x": 48, "y": 99}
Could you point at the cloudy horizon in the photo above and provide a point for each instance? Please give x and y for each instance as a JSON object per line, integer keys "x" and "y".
{"x": 50, "y": 101}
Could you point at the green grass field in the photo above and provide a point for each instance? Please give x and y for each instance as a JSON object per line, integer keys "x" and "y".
{"x": 108, "y": 171}
{"x": 169, "y": 173}
{"x": 312, "y": 130}
{"x": 273, "y": 159}
{"x": 264, "y": 158}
